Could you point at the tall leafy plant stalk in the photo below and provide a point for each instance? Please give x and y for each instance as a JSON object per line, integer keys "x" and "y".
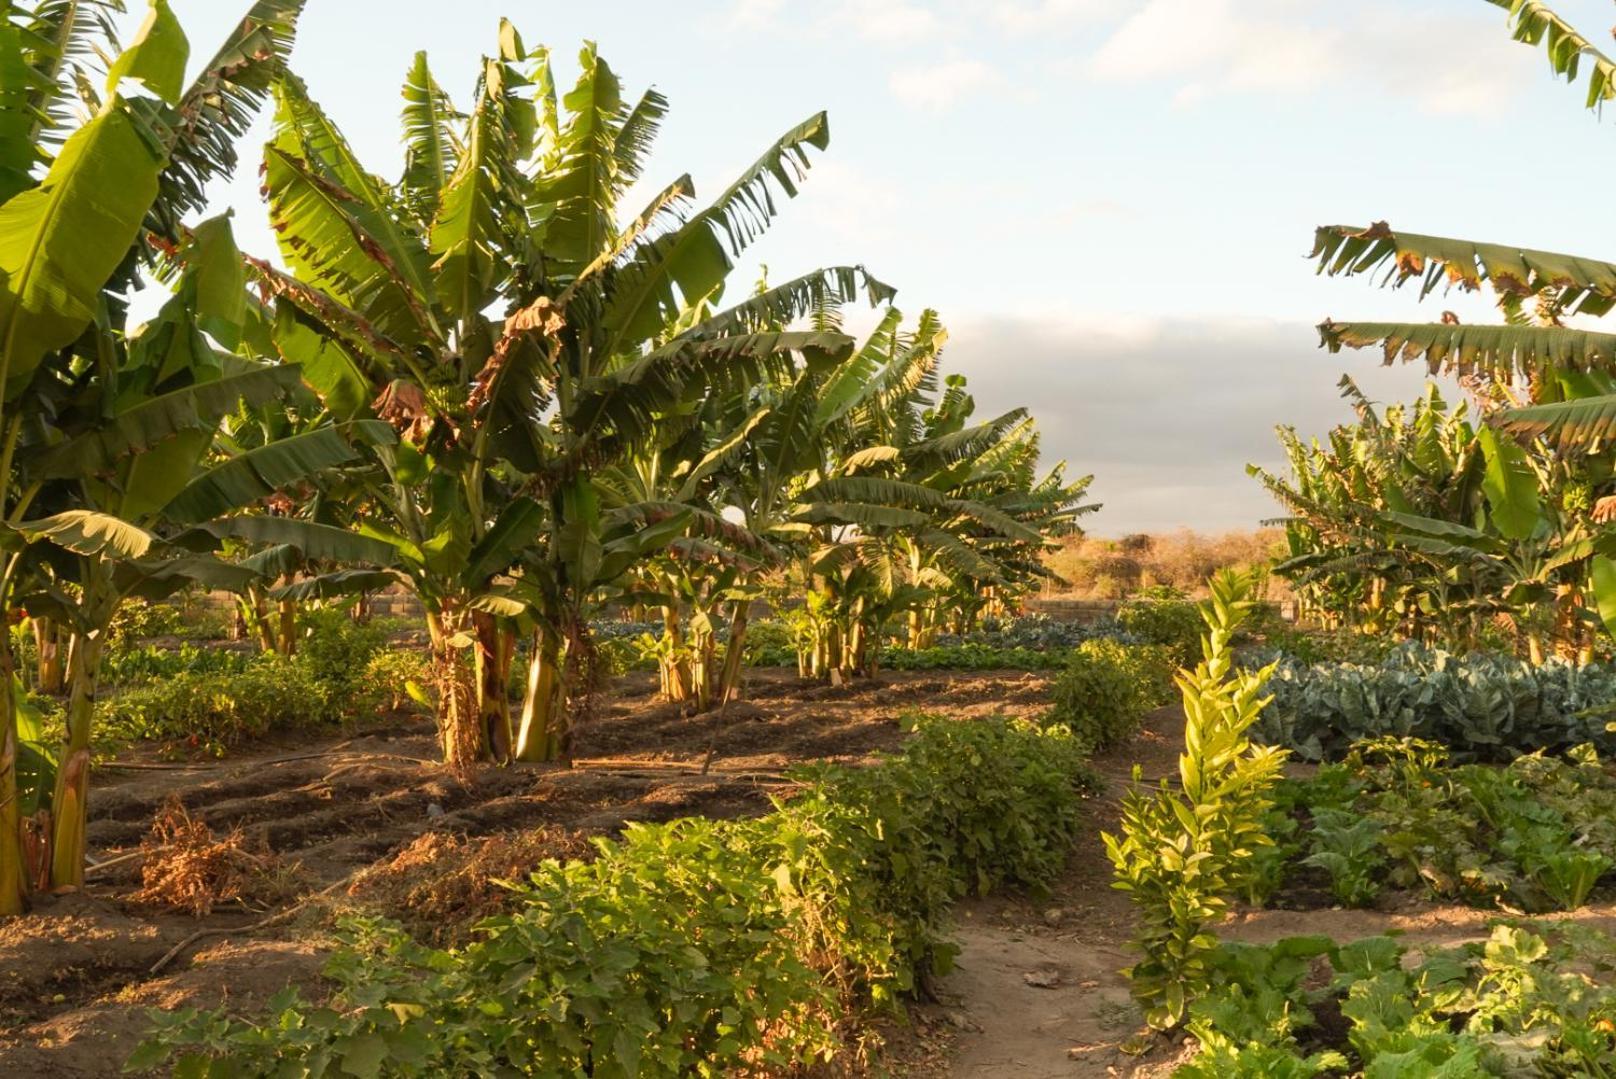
{"x": 1183, "y": 852}
{"x": 524, "y": 336}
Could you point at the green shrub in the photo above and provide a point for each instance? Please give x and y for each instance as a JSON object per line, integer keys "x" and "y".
{"x": 972, "y": 657}
{"x": 128, "y": 664}
{"x": 1107, "y": 688}
{"x": 397, "y": 678}
{"x": 1326, "y": 646}
{"x": 770, "y": 643}
{"x": 336, "y": 651}
{"x": 1173, "y": 623}
{"x": 693, "y": 948}
{"x": 212, "y": 710}
{"x": 137, "y": 619}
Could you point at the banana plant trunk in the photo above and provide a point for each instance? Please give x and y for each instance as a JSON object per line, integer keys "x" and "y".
{"x": 255, "y": 611}
{"x": 493, "y": 661}
{"x": 51, "y": 670}
{"x": 286, "y": 630}
{"x": 13, "y": 881}
{"x": 70, "y": 803}
{"x": 674, "y": 665}
{"x": 454, "y": 670}
{"x": 734, "y": 653}
{"x": 541, "y": 734}
{"x": 703, "y": 661}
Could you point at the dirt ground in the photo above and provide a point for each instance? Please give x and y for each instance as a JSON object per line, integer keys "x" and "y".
{"x": 368, "y": 819}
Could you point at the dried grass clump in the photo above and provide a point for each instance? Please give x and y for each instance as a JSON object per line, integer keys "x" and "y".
{"x": 187, "y": 867}
{"x": 441, "y": 884}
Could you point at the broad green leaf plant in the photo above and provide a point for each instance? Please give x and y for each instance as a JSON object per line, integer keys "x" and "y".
{"x": 103, "y": 426}
{"x": 1534, "y": 374}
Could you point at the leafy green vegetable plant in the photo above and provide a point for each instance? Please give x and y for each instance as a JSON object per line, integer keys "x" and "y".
{"x": 1485, "y": 706}
{"x": 1347, "y": 846}
{"x": 1533, "y": 999}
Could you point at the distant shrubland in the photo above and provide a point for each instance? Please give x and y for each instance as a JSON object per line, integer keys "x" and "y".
{"x": 1096, "y": 567}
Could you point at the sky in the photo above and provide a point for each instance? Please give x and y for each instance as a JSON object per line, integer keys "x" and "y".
{"x": 1109, "y": 202}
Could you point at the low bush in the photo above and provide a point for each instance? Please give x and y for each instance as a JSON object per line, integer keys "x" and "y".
{"x": 1172, "y": 623}
{"x": 697, "y": 947}
{"x": 972, "y": 657}
{"x": 1038, "y": 631}
{"x": 397, "y": 679}
{"x": 1106, "y": 688}
{"x": 211, "y": 710}
{"x": 137, "y": 619}
{"x": 1485, "y": 706}
{"x": 131, "y": 665}
{"x": 1285, "y": 641}
{"x": 1533, "y": 999}
{"x": 337, "y": 652}
{"x": 770, "y": 643}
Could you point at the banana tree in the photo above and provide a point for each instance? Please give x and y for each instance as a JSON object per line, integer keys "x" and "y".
{"x": 74, "y": 203}
{"x": 1417, "y": 521}
{"x": 869, "y": 483}
{"x": 1553, "y": 374}
{"x": 487, "y": 499}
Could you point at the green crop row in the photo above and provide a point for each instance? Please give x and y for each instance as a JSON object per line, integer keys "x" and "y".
{"x": 697, "y": 947}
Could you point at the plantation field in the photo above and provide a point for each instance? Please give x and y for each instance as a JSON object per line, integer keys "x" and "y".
{"x": 472, "y": 622}
{"x": 229, "y": 878}
{"x": 372, "y": 820}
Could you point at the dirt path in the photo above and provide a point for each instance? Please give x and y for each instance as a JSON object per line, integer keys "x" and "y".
{"x": 1037, "y": 991}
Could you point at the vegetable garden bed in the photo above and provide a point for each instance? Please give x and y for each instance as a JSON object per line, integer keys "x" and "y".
{"x": 397, "y": 834}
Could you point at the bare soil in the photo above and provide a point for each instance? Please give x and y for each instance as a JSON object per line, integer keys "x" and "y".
{"x": 368, "y": 819}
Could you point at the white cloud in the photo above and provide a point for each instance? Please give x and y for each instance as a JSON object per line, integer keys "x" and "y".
{"x": 753, "y": 14}
{"x": 940, "y": 85}
{"x": 883, "y": 21}
{"x": 1095, "y": 209}
{"x": 1022, "y": 17}
{"x": 896, "y": 21}
{"x": 855, "y": 210}
{"x": 1165, "y": 412}
{"x": 1206, "y": 47}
